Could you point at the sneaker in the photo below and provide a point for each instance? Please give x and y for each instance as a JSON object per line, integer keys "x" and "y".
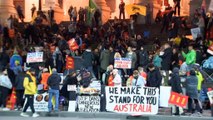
{"x": 6, "y": 109}
{"x": 35, "y": 115}
{"x": 24, "y": 114}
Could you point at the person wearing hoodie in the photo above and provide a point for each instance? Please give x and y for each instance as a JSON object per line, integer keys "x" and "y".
{"x": 175, "y": 84}
{"x": 53, "y": 83}
{"x": 190, "y": 57}
{"x": 154, "y": 77}
{"x": 16, "y": 58}
{"x": 29, "y": 92}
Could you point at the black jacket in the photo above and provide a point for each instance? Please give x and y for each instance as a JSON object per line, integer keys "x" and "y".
{"x": 166, "y": 59}
{"x": 175, "y": 81}
{"x": 143, "y": 58}
{"x": 54, "y": 81}
{"x": 154, "y": 78}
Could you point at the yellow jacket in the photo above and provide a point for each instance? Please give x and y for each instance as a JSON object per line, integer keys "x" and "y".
{"x": 30, "y": 85}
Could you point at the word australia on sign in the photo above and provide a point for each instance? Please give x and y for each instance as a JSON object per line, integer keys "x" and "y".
{"x": 132, "y": 100}
{"x": 34, "y": 57}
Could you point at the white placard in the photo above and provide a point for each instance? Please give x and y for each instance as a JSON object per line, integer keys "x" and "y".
{"x": 34, "y": 57}
{"x": 132, "y": 100}
{"x": 72, "y": 106}
{"x": 165, "y": 93}
{"x": 89, "y": 103}
{"x": 40, "y": 102}
{"x": 124, "y": 63}
{"x": 71, "y": 87}
{"x": 195, "y": 32}
{"x": 210, "y": 95}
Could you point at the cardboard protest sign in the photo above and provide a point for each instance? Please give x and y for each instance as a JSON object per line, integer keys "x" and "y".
{"x": 132, "y": 100}
{"x": 178, "y": 99}
{"x": 73, "y": 44}
{"x": 195, "y": 32}
{"x": 135, "y": 9}
{"x": 124, "y": 63}
{"x": 34, "y": 57}
{"x": 89, "y": 103}
{"x": 210, "y": 49}
{"x": 164, "y": 98}
{"x": 210, "y": 95}
{"x": 69, "y": 63}
{"x": 40, "y": 102}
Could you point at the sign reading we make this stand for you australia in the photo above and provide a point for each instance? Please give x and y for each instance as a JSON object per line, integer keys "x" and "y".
{"x": 132, "y": 100}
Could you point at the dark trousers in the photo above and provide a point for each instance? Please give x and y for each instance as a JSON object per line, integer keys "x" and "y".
{"x": 20, "y": 100}
{"x": 123, "y": 13}
{"x": 29, "y": 101}
{"x": 3, "y": 96}
{"x": 177, "y": 8}
{"x": 190, "y": 105}
{"x": 212, "y": 110}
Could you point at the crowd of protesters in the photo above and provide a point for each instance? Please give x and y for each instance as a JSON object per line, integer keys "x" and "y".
{"x": 98, "y": 47}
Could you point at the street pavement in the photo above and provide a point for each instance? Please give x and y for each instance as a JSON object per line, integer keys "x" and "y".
{"x": 14, "y": 115}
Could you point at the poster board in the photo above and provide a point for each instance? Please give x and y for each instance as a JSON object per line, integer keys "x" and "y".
{"x": 164, "y": 98}
{"x": 40, "y": 102}
{"x": 195, "y": 32}
{"x": 89, "y": 104}
{"x": 34, "y": 57}
{"x": 124, "y": 63}
{"x": 178, "y": 99}
{"x": 132, "y": 100}
{"x": 210, "y": 95}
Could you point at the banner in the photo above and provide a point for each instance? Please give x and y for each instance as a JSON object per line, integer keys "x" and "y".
{"x": 178, "y": 99}
{"x": 210, "y": 95}
{"x": 69, "y": 63}
{"x": 89, "y": 103}
{"x": 124, "y": 63}
{"x": 135, "y": 9}
{"x": 195, "y": 32}
{"x": 164, "y": 98}
{"x": 40, "y": 102}
{"x": 132, "y": 100}
{"x": 34, "y": 57}
{"x": 211, "y": 6}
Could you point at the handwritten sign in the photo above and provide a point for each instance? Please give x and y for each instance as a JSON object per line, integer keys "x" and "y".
{"x": 124, "y": 63}
{"x": 89, "y": 103}
{"x": 34, "y": 57}
{"x": 178, "y": 99}
{"x": 132, "y": 100}
{"x": 40, "y": 102}
{"x": 210, "y": 95}
{"x": 195, "y": 32}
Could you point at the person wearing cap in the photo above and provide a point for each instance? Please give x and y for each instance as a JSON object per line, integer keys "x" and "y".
{"x": 53, "y": 83}
{"x": 116, "y": 78}
{"x": 44, "y": 77}
{"x": 29, "y": 92}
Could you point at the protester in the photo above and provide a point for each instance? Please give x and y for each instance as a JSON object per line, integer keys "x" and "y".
{"x": 29, "y": 92}
{"x": 117, "y": 81}
{"x": 19, "y": 89}
{"x": 191, "y": 91}
{"x": 176, "y": 87}
{"x": 53, "y": 83}
{"x": 138, "y": 80}
{"x": 154, "y": 77}
{"x": 5, "y": 86}
{"x": 190, "y": 56}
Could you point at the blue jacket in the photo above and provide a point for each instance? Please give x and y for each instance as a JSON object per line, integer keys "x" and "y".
{"x": 15, "y": 58}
